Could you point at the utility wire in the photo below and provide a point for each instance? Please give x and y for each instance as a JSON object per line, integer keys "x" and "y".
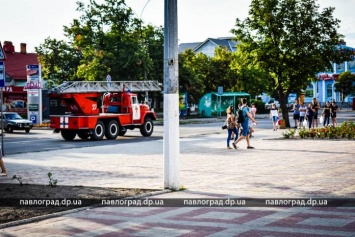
{"x": 144, "y": 8}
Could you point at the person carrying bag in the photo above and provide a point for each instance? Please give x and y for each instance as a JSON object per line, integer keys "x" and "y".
{"x": 231, "y": 126}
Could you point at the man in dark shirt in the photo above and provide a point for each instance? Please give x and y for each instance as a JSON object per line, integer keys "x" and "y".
{"x": 296, "y": 112}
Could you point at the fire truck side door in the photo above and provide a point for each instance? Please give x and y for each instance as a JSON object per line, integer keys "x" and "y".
{"x": 136, "y": 113}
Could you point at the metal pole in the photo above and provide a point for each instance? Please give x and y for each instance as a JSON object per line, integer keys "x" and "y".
{"x": 171, "y": 147}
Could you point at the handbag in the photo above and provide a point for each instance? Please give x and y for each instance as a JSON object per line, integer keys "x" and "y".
{"x": 224, "y": 126}
{"x": 321, "y": 119}
{"x": 304, "y": 123}
{"x": 230, "y": 125}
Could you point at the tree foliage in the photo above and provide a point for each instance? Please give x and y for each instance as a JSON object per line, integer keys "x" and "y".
{"x": 59, "y": 61}
{"x": 250, "y": 78}
{"x": 291, "y": 40}
{"x": 192, "y": 73}
{"x": 345, "y": 84}
{"x": 200, "y": 74}
{"x": 106, "y": 39}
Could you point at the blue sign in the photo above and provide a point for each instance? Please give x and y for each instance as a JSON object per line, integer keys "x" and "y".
{"x": 33, "y": 66}
{"x": 2, "y": 74}
{"x": 33, "y": 118}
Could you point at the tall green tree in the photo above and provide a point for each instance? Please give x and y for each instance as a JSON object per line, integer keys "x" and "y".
{"x": 109, "y": 37}
{"x": 59, "y": 61}
{"x": 192, "y": 72}
{"x": 106, "y": 39}
{"x": 250, "y": 78}
{"x": 220, "y": 71}
{"x": 291, "y": 40}
{"x": 345, "y": 84}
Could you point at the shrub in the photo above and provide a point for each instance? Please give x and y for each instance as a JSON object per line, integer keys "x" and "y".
{"x": 345, "y": 130}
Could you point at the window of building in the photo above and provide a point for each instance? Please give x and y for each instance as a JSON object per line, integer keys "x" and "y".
{"x": 329, "y": 91}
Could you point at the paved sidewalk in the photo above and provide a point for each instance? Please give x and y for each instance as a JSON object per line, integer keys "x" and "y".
{"x": 275, "y": 169}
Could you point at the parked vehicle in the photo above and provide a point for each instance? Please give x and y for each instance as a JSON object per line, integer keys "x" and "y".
{"x": 87, "y": 118}
{"x": 270, "y": 102}
{"x": 13, "y": 121}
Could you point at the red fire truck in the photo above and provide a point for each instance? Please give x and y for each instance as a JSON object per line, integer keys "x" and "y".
{"x": 95, "y": 109}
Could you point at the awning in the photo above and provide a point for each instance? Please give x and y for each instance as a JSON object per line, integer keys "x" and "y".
{"x": 324, "y": 76}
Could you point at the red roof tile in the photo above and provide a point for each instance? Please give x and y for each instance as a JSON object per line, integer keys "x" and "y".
{"x": 15, "y": 64}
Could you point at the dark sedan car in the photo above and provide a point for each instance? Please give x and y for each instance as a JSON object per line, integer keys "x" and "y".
{"x": 13, "y": 121}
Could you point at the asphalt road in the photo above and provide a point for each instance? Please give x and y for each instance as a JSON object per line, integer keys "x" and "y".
{"x": 45, "y": 140}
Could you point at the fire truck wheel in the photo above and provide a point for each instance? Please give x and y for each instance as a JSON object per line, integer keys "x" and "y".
{"x": 122, "y": 132}
{"x": 83, "y": 136}
{"x": 147, "y": 127}
{"x": 99, "y": 131}
{"x": 112, "y": 130}
{"x": 68, "y": 135}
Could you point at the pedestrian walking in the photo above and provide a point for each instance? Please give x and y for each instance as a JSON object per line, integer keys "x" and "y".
{"x": 231, "y": 126}
{"x": 252, "y": 111}
{"x": 232, "y": 108}
{"x": 326, "y": 114}
{"x": 303, "y": 110}
{"x": 274, "y": 116}
{"x": 2, "y": 165}
{"x": 244, "y": 121}
{"x": 315, "y": 107}
{"x": 310, "y": 115}
{"x": 296, "y": 113}
{"x": 333, "y": 113}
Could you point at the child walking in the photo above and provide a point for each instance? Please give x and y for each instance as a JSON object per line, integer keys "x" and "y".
{"x": 274, "y": 115}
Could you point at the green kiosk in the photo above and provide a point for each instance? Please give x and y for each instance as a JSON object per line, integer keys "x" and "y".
{"x": 214, "y": 104}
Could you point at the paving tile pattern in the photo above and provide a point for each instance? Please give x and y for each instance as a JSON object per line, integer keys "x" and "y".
{"x": 276, "y": 168}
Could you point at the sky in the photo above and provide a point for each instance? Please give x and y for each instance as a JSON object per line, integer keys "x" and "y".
{"x": 32, "y": 21}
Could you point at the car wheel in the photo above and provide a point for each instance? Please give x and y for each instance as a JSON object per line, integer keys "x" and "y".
{"x": 27, "y": 130}
{"x": 9, "y": 129}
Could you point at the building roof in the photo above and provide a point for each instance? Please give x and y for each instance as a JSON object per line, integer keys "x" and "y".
{"x": 227, "y": 42}
{"x": 184, "y": 46}
{"x": 15, "y": 64}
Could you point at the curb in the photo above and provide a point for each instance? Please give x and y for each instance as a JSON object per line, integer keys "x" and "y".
{"x": 57, "y": 214}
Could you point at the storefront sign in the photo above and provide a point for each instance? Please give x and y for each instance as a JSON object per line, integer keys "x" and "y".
{"x": 33, "y": 107}
{"x": 34, "y": 92}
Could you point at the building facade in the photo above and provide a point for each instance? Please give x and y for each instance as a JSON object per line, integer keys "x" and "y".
{"x": 15, "y": 97}
{"x": 324, "y": 88}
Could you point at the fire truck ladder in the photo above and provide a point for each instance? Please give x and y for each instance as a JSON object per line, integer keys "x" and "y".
{"x": 103, "y": 86}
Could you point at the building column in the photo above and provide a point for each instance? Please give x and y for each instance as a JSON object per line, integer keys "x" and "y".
{"x": 324, "y": 90}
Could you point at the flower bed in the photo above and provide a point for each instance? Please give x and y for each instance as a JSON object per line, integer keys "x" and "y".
{"x": 345, "y": 130}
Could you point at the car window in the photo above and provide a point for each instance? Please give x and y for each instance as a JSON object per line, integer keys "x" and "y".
{"x": 12, "y": 116}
